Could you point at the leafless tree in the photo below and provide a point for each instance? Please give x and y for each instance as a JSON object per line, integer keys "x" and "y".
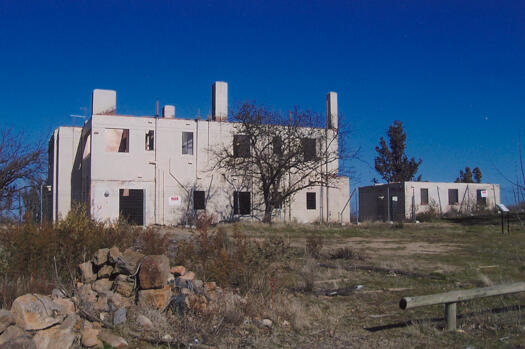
{"x": 21, "y": 167}
{"x": 279, "y": 155}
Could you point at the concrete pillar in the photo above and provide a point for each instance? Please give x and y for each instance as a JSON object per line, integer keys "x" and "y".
{"x": 168, "y": 112}
{"x": 104, "y": 102}
{"x": 219, "y": 101}
{"x": 331, "y": 110}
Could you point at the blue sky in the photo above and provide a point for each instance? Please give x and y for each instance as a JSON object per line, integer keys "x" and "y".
{"x": 452, "y": 71}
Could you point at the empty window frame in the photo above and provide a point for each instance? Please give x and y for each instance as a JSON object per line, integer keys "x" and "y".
{"x": 277, "y": 145}
{"x": 117, "y": 140}
{"x": 310, "y": 201}
{"x": 481, "y": 197}
{"x": 241, "y": 146}
{"x": 453, "y": 197}
{"x": 309, "y": 149}
{"x": 150, "y": 140}
{"x": 277, "y": 200}
{"x": 187, "y": 143}
{"x": 199, "y": 200}
{"x": 242, "y": 202}
{"x": 424, "y": 196}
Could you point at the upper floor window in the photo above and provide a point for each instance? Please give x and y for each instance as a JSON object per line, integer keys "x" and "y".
{"x": 187, "y": 143}
{"x": 150, "y": 140}
{"x": 117, "y": 140}
{"x": 241, "y": 146}
{"x": 309, "y": 149}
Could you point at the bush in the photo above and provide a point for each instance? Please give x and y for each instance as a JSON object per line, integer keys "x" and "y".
{"x": 346, "y": 253}
{"x": 314, "y": 245}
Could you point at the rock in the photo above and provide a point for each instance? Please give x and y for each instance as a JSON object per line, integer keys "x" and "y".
{"x": 179, "y": 270}
{"x": 267, "y": 323}
{"x": 6, "y": 320}
{"x": 112, "y": 339}
{"x": 100, "y": 257}
{"x": 210, "y": 286}
{"x": 54, "y": 338}
{"x": 185, "y": 291}
{"x": 23, "y": 342}
{"x": 105, "y": 271}
{"x": 101, "y": 304}
{"x": 86, "y": 272}
{"x": 189, "y": 275}
{"x": 119, "y": 317}
{"x": 89, "y": 338}
{"x": 113, "y": 255}
{"x": 144, "y": 322}
{"x": 35, "y": 312}
{"x": 10, "y": 334}
{"x": 67, "y": 307}
{"x": 57, "y": 293}
{"x": 155, "y": 298}
{"x": 124, "y": 286}
{"x": 86, "y": 294}
{"x": 154, "y": 272}
{"x": 116, "y": 301}
{"x": 129, "y": 261}
{"x": 70, "y": 322}
{"x": 102, "y": 285}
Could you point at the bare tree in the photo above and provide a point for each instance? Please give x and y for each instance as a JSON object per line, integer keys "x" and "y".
{"x": 279, "y": 155}
{"x": 21, "y": 167}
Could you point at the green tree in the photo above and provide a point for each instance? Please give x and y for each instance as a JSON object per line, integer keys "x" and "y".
{"x": 477, "y": 174}
{"x": 391, "y": 162}
{"x": 469, "y": 176}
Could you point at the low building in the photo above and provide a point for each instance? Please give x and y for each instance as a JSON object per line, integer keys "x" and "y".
{"x": 410, "y": 199}
{"x": 156, "y": 170}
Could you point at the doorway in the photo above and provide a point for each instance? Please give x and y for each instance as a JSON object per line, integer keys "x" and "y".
{"x": 131, "y": 205}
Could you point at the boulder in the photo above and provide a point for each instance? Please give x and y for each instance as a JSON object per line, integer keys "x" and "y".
{"x": 124, "y": 286}
{"x": 189, "y": 275}
{"x": 101, "y": 304}
{"x": 154, "y": 272}
{"x": 23, "y": 342}
{"x": 86, "y": 294}
{"x": 113, "y": 255}
{"x": 11, "y": 333}
{"x": 144, "y": 322}
{"x": 102, "y": 285}
{"x": 66, "y": 306}
{"x": 129, "y": 261}
{"x": 54, "y": 338}
{"x": 36, "y": 312}
{"x": 105, "y": 271}
{"x": 112, "y": 339}
{"x": 117, "y": 301}
{"x": 71, "y": 322}
{"x": 101, "y": 257}
{"x": 119, "y": 317}
{"x": 179, "y": 270}
{"x": 86, "y": 272}
{"x": 155, "y": 298}
{"x": 89, "y": 338}
{"x": 6, "y": 320}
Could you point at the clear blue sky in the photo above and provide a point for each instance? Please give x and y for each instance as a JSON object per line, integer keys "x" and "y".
{"x": 452, "y": 71}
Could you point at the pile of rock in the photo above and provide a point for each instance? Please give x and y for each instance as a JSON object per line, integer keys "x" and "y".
{"x": 111, "y": 283}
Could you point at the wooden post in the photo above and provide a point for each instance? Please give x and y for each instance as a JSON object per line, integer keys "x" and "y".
{"x": 450, "y": 316}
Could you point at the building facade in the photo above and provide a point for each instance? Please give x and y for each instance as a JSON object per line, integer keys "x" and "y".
{"x": 409, "y": 199}
{"x": 157, "y": 170}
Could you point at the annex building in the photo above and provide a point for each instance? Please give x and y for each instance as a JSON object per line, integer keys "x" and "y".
{"x": 156, "y": 169}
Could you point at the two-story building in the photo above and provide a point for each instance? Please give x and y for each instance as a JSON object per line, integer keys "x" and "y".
{"x": 156, "y": 169}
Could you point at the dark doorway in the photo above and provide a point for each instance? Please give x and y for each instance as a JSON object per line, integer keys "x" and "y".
{"x": 241, "y": 202}
{"x": 131, "y": 205}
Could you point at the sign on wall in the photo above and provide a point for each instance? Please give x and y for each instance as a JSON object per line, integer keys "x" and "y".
{"x": 174, "y": 200}
{"x": 484, "y": 193}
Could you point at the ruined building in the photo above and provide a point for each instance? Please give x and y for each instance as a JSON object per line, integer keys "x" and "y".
{"x": 155, "y": 170}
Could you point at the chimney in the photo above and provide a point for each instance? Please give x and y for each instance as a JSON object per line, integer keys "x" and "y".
{"x": 104, "y": 102}
{"x": 168, "y": 112}
{"x": 219, "y": 101}
{"x": 331, "y": 110}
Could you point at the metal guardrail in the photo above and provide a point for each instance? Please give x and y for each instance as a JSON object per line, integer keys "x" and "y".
{"x": 450, "y": 299}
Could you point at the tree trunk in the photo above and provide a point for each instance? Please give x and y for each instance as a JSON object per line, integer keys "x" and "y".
{"x": 267, "y": 214}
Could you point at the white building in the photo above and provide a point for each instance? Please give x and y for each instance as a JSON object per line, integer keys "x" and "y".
{"x": 408, "y": 199}
{"x": 156, "y": 170}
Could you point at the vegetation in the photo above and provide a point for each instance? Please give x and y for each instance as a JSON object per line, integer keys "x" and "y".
{"x": 391, "y": 162}
{"x": 469, "y": 176}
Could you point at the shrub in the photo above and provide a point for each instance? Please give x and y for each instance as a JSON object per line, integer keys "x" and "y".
{"x": 314, "y": 245}
{"x": 346, "y": 253}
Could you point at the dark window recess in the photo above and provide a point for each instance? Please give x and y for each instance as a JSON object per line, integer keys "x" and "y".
{"x": 150, "y": 140}
{"x": 277, "y": 144}
{"x": 277, "y": 201}
{"x": 424, "y": 196}
{"x": 241, "y": 202}
{"x": 117, "y": 140}
{"x": 310, "y": 201}
{"x": 482, "y": 201}
{"x": 131, "y": 205}
{"x": 187, "y": 143}
{"x": 199, "y": 202}
{"x": 453, "y": 197}
{"x": 309, "y": 149}
{"x": 241, "y": 146}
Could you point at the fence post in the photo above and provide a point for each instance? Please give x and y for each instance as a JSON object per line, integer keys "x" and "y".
{"x": 450, "y": 316}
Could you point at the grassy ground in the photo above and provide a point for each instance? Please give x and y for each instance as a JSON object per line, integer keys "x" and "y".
{"x": 422, "y": 258}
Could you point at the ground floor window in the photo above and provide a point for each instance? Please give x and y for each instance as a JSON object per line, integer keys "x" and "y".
{"x": 199, "y": 202}
{"x": 310, "y": 201}
{"x": 131, "y": 205}
{"x": 424, "y": 196}
{"x": 242, "y": 202}
{"x": 481, "y": 197}
{"x": 453, "y": 197}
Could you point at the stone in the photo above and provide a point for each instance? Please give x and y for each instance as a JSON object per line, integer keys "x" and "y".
{"x": 89, "y": 338}
{"x": 101, "y": 304}
{"x": 102, "y": 285}
{"x": 154, "y": 272}
{"x": 86, "y": 272}
{"x": 112, "y": 339}
{"x": 267, "y": 323}
{"x": 119, "y": 317}
{"x": 116, "y": 301}
{"x": 70, "y": 322}
{"x": 35, "y": 312}
{"x": 210, "y": 286}
{"x": 179, "y": 270}
{"x": 144, "y": 322}
{"x": 67, "y": 307}
{"x": 6, "y": 320}
{"x": 105, "y": 271}
{"x": 155, "y": 298}
{"x": 113, "y": 255}
{"x": 101, "y": 256}
{"x": 54, "y": 337}
{"x": 57, "y": 293}
{"x": 129, "y": 261}
{"x": 124, "y": 286}
{"x": 86, "y": 294}
{"x": 189, "y": 275}
{"x": 23, "y": 342}
{"x": 11, "y": 333}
